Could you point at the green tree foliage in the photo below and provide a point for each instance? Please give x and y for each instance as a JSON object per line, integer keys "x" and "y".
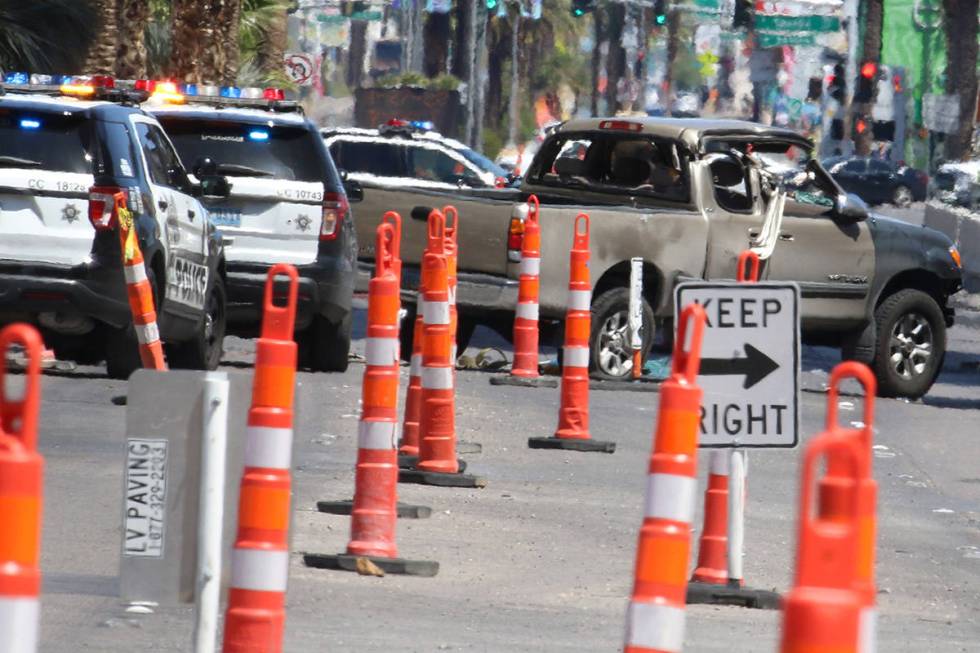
{"x": 45, "y": 35}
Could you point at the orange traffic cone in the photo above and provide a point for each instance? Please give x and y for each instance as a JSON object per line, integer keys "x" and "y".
{"x": 437, "y": 463}
{"x": 256, "y": 612}
{"x": 655, "y": 619}
{"x": 713, "y": 550}
{"x": 748, "y": 267}
{"x": 451, "y": 249}
{"x": 413, "y": 395}
{"x": 21, "y": 498}
{"x": 573, "y": 415}
{"x": 524, "y": 370}
{"x": 822, "y": 611}
{"x": 373, "y": 517}
{"x": 836, "y": 487}
{"x": 138, "y": 288}
{"x": 526, "y": 318}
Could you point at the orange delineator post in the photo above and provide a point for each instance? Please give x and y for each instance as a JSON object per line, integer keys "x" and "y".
{"x": 836, "y": 486}
{"x": 822, "y": 611}
{"x": 21, "y": 497}
{"x": 526, "y": 315}
{"x": 375, "y": 496}
{"x": 437, "y": 424}
{"x": 712, "y": 564}
{"x": 256, "y": 612}
{"x": 138, "y": 289}
{"x": 413, "y": 394}
{"x": 655, "y": 618}
{"x": 573, "y": 414}
{"x": 451, "y": 249}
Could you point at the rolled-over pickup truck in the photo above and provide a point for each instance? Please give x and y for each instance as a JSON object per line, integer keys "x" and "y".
{"x": 688, "y": 195}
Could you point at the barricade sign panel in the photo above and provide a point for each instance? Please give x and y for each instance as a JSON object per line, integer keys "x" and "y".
{"x": 750, "y": 362}
{"x": 162, "y": 475}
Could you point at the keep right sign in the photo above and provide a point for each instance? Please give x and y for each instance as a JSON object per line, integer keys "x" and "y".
{"x": 750, "y": 362}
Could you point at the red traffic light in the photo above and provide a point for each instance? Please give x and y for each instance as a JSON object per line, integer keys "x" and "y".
{"x": 860, "y": 126}
{"x": 869, "y": 70}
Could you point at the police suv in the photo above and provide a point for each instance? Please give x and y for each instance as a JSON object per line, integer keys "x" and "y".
{"x": 67, "y": 145}
{"x": 287, "y": 204}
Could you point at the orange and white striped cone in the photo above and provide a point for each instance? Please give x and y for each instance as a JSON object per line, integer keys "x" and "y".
{"x": 655, "y": 617}
{"x": 256, "y": 612}
{"x": 713, "y": 549}
{"x": 836, "y": 487}
{"x": 374, "y": 516}
{"x": 573, "y": 414}
{"x": 437, "y": 463}
{"x": 138, "y": 289}
{"x": 409, "y": 448}
{"x": 526, "y": 315}
{"x": 823, "y": 610}
{"x": 524, "y": 370}
{"x": 21, "y": 497}
{"x": 451, "y": 249}
{"x": 375, "y": 499}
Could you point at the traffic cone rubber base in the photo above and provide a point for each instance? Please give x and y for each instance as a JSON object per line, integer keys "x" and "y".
{"x": 345, "y": 562}
{"x": 525, "y": 381}
{"x": 440, "y": 479}
{"x": 572, "y": 444}
{"x": 404, "y": 510}
{"x": 409, "y": 462}
{"x": 626, "y": 385}
{"x": 732, "y": 594}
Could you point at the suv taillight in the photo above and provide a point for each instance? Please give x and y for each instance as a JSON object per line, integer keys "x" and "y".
{"x": 515, "y": 234}
{"x": 335, "y": 207}
{"x": 102, "y": 207}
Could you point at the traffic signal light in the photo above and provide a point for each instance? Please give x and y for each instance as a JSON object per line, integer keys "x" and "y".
{"x": 743, "y": 13}
{"x": 579, "y": 7}
{"x": 660, "y": 13}
{"x": 864, "y": 89}
{"x": 835, "y": 84}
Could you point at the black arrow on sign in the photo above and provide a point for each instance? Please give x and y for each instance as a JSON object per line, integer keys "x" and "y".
{"x": 755, "y": 366}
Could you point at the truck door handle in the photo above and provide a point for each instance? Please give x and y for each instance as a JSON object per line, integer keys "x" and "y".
{"x": 162, "y": 204}
{"x": 785, "y": 236}
{"x": 753, "y": 233}
{"x": 421, "y": 213}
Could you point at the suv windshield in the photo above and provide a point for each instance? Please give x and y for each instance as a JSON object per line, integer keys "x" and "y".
{"x": 613, "y": 162}
{"x": 482, "y": 162}
{"x": 45, "y": 140}
{"x": 247, "y": 150}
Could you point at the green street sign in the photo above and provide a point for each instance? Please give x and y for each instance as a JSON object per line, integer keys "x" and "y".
{"x": 770, "y": 40}
{"x": 766, "y": 23}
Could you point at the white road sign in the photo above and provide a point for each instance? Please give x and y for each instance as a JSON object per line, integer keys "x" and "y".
{"x": 750, "y": 362}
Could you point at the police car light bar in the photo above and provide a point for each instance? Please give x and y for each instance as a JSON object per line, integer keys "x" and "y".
{"x": 399, "y": 125}
{"x": 96, "y": 87}
{"x": 273, "y": 99}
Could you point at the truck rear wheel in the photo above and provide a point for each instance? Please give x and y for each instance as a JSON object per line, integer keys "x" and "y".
{"x": 611, "y": 356}
{"x": 910, "y": 344}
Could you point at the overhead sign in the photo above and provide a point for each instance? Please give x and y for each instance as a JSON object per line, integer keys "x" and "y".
{"x": 750, "y": 362}
{"x": 941, "y": 113}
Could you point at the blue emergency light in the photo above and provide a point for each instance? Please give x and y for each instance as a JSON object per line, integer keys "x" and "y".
{"x": 258, "y": 135}
{"x": 30, "y": 123}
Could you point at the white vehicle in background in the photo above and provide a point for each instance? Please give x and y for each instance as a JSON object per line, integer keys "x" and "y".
{"x": 287, "y": 204}
{"x": 958, "y": 184}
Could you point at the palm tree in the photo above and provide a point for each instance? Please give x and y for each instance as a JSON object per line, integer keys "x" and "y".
{"x": 45, "y": 36}
{"x": 262, "y": 41}
{"x": 961, "y": 72}
{"x": 133, "y": 18}
{"x": 102, "y": 55}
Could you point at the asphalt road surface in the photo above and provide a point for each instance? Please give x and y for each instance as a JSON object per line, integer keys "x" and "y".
{"x": 542, "y": 558}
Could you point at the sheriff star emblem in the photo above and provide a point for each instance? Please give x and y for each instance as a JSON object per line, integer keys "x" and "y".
{"x": 69, "y": 213}
{"x": 303, "y": 223}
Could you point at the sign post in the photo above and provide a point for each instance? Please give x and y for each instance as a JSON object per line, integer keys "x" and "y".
{"x": 750, "y": 376}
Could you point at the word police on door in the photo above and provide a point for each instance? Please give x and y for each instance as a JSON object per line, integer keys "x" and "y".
{"x": 750, "y": 363}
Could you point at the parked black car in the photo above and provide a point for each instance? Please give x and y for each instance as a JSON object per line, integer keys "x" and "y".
{"x": 878, "y": 182}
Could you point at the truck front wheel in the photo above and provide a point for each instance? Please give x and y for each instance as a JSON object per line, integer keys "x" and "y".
{"x": 611, "y": 353}
{"x": 910, "y": 344}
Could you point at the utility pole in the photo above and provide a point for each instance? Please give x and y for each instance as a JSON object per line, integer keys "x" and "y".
{"x": 515, "y": 77}
{"x": 480, "y": 75}
{"x": 673, "y": 27}
{"x": 471, "y": 70}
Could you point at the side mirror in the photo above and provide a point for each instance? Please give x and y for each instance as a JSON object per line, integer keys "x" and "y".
{"x": 850, "y": 207}
{"x": 354, "y": 190}
{"x": 205, "y": 166}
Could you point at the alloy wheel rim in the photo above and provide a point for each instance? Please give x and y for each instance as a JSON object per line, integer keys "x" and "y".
{"x": 615, "y": 353}
{"x": 910, "y": 346}
{"x": 903, "y": 196}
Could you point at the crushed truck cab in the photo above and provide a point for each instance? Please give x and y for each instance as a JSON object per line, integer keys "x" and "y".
{"x": 689, "y": 195}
